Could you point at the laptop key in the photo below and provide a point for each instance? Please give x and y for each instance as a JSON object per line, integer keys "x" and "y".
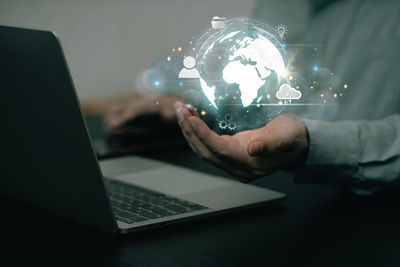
{"x": 148, "y": 214}
{"x": 138, "y": 218}
{"x": 163, "y": 211}
{"x": 177, "y": 208}
{"x": 135, "y": 204}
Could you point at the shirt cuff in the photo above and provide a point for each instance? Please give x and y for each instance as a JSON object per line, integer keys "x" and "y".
{"x": 334, "y": 143}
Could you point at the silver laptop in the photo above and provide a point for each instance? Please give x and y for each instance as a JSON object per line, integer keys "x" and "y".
{"x": 47, "y": 159}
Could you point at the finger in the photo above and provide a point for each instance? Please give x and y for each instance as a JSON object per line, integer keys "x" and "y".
{"x": 126, "y": 115}
{"x": 200, "y": 148}
{"x": 112, "y": 112}
{"x": 230, "y": 152}
{"x": 269, "y": 141}
{"x": 192, "y": 139}
{"x": 192, "y": 110}
{"x": 167, "y": 113}
{"x": 112, "y": 119}
{"x": 224, "y": 148}
{"x": 166, "y": 109}
{"x": 178, "y": 104}
{"x": 183, "y": 114}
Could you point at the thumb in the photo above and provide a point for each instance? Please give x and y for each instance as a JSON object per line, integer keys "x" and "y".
{"x": 255, "y": 148}
{"x": 265, "y": 145}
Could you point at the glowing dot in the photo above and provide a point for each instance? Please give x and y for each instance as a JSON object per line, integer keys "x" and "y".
{"x": 220, "y": 97}
{"x": 173, "y": 49}
{"x": 203, "y": 113}
{"x": 156, "y": 83}
{"x": 157, "y": 103}
{"x": 345, "y": 86}
{"x": 247, "y": 111}
{"x": 219, "y": 57}
{"x": 190, "y": 42}
{"x": 268, "y": 96}
{"x": 322, "y": 95}
{"x": 180, "y": 83}
{"x": 324, "y": 101}
{"x": 213, "y": 87}
{"x": 311, "y": 87}
{"x": 341, "y": 94}
{"x": 297, "y": 87}
{"x": 314, "y": 82}
{"x": 179, "y": 48}
{"x": 291, "y": 77}
{"x": 315, "y": 68}
{"x": 280, "y": 102}
{"x": 330, "y": 88}
{"x": 194, "y": 48}
{"x": 335, "y": 95}
{"x": 258, "y": 105}
{"x": 237, "y": 41}
{"x": 234, "y": 97}
{"x": 168, "y": 58}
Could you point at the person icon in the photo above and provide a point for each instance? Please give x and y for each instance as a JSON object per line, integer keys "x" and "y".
{"x": 189, "y": 71}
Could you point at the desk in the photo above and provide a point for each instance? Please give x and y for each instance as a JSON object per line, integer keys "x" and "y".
{"x": 315, "y": 226}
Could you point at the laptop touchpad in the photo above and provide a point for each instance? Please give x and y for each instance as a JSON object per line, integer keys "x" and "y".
{"x": 173, "y": 180}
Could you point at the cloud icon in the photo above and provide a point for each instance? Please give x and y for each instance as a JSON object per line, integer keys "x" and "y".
{"x": 287, "y": 92}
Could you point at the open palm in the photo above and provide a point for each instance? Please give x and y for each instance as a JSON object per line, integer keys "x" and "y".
{"x": 281, "y": 144}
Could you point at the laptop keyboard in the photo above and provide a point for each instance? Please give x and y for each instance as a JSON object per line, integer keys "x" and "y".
{"x": 132, "y": 204}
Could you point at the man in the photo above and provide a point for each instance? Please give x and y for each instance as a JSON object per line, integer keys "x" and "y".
{"x": 355, "y": 144}
{"x": 360, "y": 145}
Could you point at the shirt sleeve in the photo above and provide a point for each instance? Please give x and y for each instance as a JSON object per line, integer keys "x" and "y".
{"x": 365, "y": 152}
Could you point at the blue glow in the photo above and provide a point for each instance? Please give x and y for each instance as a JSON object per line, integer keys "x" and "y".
{"x": 157, "y": 103}
{"x": 315, "y": 68}
{"x": 181, "y": 84}
{"x": 284, "y": 45}
{"x": 315, "y": 48}
{"x": 156, "y": 84}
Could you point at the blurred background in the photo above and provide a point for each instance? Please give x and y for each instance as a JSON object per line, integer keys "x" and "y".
{"x": 108, "y": 44}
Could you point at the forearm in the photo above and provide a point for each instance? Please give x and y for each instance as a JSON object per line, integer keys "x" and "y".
{"x": 367, "y": 151}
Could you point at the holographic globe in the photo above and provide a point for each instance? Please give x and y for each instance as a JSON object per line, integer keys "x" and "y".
{"x": 241, "y": 68}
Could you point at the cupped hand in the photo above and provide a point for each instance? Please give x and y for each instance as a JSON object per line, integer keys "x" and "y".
{"x": 281, "y": 144}
{"x": 125, "y": 110}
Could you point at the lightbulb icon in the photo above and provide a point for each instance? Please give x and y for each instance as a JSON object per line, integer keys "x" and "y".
{"x": 282, "y": 30}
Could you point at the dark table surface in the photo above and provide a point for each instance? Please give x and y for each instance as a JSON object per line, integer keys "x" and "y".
{"x": 315, "y": 226}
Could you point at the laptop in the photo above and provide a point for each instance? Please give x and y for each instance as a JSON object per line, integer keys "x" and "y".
{"x": 47, "y": 159}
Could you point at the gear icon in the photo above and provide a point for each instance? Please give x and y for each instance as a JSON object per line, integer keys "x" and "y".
{"x": 223, "y": 124}
{"x": 231, "y": 125}
{"x": 227, "y": 122}
{"x": 228, "y": 117}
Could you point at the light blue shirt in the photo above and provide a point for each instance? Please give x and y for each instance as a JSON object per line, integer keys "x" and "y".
{"x": 357, "y": 141}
